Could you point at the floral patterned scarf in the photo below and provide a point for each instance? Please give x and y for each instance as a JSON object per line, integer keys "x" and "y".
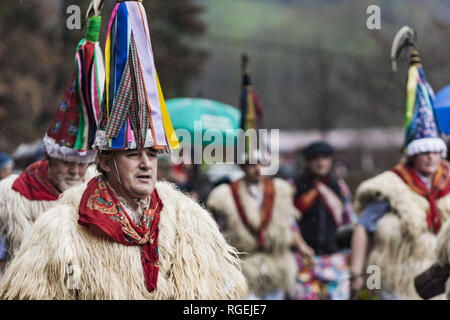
{"x": 101, "y": 208}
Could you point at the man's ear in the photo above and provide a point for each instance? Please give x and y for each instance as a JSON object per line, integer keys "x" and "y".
{"x": 105, "y": 162}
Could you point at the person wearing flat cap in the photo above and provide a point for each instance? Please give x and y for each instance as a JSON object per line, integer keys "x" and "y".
{"x": 324, "y": 201}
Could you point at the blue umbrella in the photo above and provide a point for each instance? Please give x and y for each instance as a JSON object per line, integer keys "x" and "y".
{"x": 442, "y": 109}
{"x": 198, "y": 116}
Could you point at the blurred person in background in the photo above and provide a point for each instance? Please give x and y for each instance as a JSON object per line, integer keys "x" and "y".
{"x": 164, "y": 168}
{"x": 255, "y": 214}
{"x": 402, "y": 210}
{"x": 196, "y": 184}
{"x": 6, "y": 165}
{"x": 325, "y": 203}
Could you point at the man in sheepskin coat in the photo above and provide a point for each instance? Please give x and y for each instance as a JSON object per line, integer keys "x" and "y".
{"x": 123, "y": 235}
{"x": 256, "y": 213}
{"x": 257, "y": 216}
{"x": 404, "y": 208}
{"x": 67, "y": 147}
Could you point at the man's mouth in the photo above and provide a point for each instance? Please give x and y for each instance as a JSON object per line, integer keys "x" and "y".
{"x": 144, "y": 177}
{"x": 72, "y": 181}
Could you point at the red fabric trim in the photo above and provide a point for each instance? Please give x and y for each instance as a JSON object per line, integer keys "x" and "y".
{"x": 34, "y": 183}
{"x": 306, "y": 200}
{"x": 440, "y": 188}
{"x": 100, "y": 207}
{"x": 266, "y": 211}
{"x": 65, "y": 124}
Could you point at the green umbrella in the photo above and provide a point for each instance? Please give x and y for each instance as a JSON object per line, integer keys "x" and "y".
{"x": 200, "y": 116}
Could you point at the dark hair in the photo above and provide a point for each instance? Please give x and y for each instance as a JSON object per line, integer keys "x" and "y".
{"x": 317, "y": 149}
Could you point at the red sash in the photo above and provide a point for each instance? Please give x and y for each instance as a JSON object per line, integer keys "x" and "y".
{"x": 100, "y": 207}
{"x": 34, "y": 183}
{"x": 440, "y": 187}
{"x": 332, "y": 201}
{"x": 266, "y": 211}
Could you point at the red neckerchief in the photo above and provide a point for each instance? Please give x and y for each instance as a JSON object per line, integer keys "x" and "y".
{"x": 305, "y": 201}
{"x": 266, "y": 211}
{"x": 100, "y": 207}
{"x": 440, "y": 187}
{"x": 34, "y": 183}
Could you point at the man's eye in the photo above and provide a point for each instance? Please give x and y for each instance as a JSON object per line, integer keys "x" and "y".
{"x": 132, "y": 154}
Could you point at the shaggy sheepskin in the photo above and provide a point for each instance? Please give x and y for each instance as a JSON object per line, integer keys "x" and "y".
{"x": 18, "y": 214}
{"x": 60, "y": 259}
{"x": 274, "y": 266}
{"x": 443, "y": 250}
{"x": 403, "y": 247}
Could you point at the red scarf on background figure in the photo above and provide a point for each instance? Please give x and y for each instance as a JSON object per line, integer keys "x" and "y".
{"x": 100, "y": 207}
{"x": 320, "y": 190}
{"x": 34, "y": 183}
{"x": 440, "y": 187}
{"x": 266, "y": 210}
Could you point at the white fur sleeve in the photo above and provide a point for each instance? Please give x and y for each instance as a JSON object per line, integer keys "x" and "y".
{"x": 40, "y": 268}
{"x": 15, "y": 218}
{"x": 443, "y": 243}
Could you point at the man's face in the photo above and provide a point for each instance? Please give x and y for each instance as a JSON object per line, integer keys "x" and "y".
{"x": 252, "y": 172}
{"x": 137, "y": 172}
{"x": 65, "y": 174}
{"x": 320, "y": 166}
{"x": 427, "y": 163}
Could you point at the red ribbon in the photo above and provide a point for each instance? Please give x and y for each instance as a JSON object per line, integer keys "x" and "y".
{"x": 266, "y": 211}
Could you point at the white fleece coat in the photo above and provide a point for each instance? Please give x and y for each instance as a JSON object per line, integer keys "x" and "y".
{"x": 403, "y": 246}
{"x": 60, "y": 259}
{"x": 274, "y": 267}
{"x": 443, "y": 250}
{"x": 17, "y": 213}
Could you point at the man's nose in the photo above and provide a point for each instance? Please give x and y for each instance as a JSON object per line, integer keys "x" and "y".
{"x": 145, "y": 160}
{"x": 75, "y": 169}
{"x": 430, "y": 155}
